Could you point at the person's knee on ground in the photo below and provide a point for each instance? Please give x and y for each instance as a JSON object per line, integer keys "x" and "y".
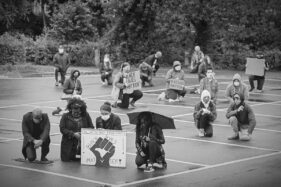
{"x": 209, "y": 131}
{"x": 30, "y": 153}
{"x": 140, "y": 160}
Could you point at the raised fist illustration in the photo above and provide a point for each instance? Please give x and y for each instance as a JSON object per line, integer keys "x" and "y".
{"x": 103, "y": 150}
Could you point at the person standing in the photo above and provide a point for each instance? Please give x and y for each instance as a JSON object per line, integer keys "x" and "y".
{"x": 237, "y": 86}
{"x": 204, "y": 114}
{"x": 36, "y": 133}
{"x": 61, "y": 62}
{"x": 241, "y": 118}
{"x": 145, "y": 73}
{"x": 196, "y": 59}
{"x": 70, "y": 128}
{"x": 108, "y": 120}
{"x": 153, "y": 61}
{"x": 119, "y": 82}
{"x": 106, "y": 70}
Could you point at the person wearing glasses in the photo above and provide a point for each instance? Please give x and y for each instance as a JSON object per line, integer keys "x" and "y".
{"x": 241, "y": 118}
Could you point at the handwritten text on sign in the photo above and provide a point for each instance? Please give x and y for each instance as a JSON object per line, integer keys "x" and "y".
{"x": 103, "y": 147}
{"x": 255, "y": 66}
{"x": 176, "y": 84}
{"x": 132, "y": 82}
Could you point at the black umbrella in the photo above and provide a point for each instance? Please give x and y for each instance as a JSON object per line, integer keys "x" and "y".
{"x": 164, "y": 122}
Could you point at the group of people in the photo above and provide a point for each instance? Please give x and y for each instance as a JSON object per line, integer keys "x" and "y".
{"x": 149, "y": 135}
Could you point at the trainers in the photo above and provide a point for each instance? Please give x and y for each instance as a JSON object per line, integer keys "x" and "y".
{"x": 44, "y": 159}
{"x": 171, "y": 100}
{"x": 132, "y": 103}
{"x": 235, "y": 136}
{"x": 259, "y": 91}
{"x": 57, "y": 83}
{"x": 114, "y": 105}
{"x": 103, "y": 83}
{"x": 57, "y": 111}
{"x": 251, "y": 89}
{"x": 143, "y": 166}
{"x": 149, "y": 168}
{"x": 201, "y": 132}
{"x": 180, "y": 98}
{"x": 161, "y": 96}
{"x": 157, "y": 165}
{"x": 245, "y": 137}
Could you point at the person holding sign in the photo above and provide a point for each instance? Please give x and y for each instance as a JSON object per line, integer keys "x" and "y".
{"x": 149, "y": 140}
{"x": 70, "y": 127}
{"x": 152, "y": 60}
{"x": 108, "y": 120}
{"x": 204, "y": 114}
{"x": 106, "y": 70}
{"x": 128, "y": 86}
{"x": 145, "y": 74}
{"x": 241, "y": 118}
{"x": 258, "y": 78}
{"x": 237, "y": 86}
{"x": 175, "y": 83}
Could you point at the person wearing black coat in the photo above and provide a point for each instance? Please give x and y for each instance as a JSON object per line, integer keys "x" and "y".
{"x": 153, "y": 61}
{"x": 70, "y": 127}
{"x": 36, "y": 132}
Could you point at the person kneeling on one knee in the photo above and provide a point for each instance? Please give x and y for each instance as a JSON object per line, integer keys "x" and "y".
{"x": 204, "y": 114}
{"x": 241, "y": 118}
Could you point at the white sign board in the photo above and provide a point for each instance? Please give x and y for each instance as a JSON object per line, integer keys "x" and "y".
{"x": 103, "y": 147}
{"x": 255, "y": 66}
{"x": 176, "y": 84}
{"x": 132, "y": 82}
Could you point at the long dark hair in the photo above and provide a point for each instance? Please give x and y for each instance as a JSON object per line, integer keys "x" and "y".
{"x": 141, "y": 115}
{"x": 77, "y": 101}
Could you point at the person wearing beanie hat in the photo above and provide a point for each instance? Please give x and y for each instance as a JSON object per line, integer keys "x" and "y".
{"x": 108, "y": 120}
{"x": 196, "y": 59}
{"x": 237, "y": 86}
{"x": 204, "y": 114}
{"x": 241, "y": 118}
{"x": 119, "y": 82}
{"x": 171, "y": 94}
{"x": 153, "y": 61}
{"x": 36, "y": 132}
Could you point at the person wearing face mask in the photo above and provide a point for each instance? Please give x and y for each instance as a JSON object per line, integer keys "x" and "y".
{"x": 211, "y": 84}
{"x": 119, "y": 82}
{"x": 175, "y": 73}
{"x": 106, "y": 70}
{"x": 36, "y": 133}
{"x": 61, "y": 62}
{"x": 237, "y": 86}
{"x": 149, "y": 141}
{"x": 72, "y": 86}
{"x": 108, "y": 120}
{"x": 70, "y": 128}
{"x": 204, "y": 114}
{"x": 196, "y": 59}
{"x": 241, "y": 118}
{"x": 153, "y": 61}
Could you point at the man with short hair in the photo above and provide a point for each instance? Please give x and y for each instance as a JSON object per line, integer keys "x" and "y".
{"x": 152, "y": 60}
{"x": 61, "y": 62}
{"x": 36, "y": 132}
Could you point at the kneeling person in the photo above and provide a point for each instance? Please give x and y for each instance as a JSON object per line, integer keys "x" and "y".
{"x": 204, "y": 114}
{"x": 36, "y": 132}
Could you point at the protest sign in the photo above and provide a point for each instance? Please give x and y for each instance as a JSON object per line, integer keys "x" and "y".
{"x": 103, "y": 147}
{"x": 255, "y": 66}
{"x": 176, "y": 84}
{"x": 132, "y": 82}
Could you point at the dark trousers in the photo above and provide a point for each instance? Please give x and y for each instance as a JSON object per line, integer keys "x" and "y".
{"x": 259, "y": 79}
{"x": 152, "y": 153}
{"x": 205, "y": 123}
{"x": 136, "y": 95}
{"x": 31, "y": 151}
{"x": 144, "y": 79}
{"x": 62, "y": 75}
{"x": 155, "y": 69}
{"x": 107, "y": 77}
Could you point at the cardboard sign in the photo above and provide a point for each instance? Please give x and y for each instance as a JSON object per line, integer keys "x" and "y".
{"x": 132, "y": 82}
{"x": 255, "y": 66}
{"x": 176, "y": 84}
{"x": 103, "y": 147}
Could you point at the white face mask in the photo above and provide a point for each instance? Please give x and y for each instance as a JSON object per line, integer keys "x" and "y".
{"x": 178, "y": 68}
{"x": 61, "y": 51}
{"x": 105, "y": 117}
{"x": 236, "y": 83}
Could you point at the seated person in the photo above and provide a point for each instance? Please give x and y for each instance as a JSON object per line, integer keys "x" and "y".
{"x": 211, "y": 84}
{"x": 175, "y": 73}
{"x": 149, "y": 140}
{"x": 36, "y": 133}
{"x": 106, "y": 70}
{"x": 108, "y": 120}
{"x": 119, "y": 82}
{"x": 145, "y": 74}
{"x": 204, "y": 114}
{"x": 241, "y": 118}
{"x": 70, "y": 127}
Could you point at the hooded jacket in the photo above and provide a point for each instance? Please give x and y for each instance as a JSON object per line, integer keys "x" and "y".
{"x": 145, "y": 69}
{"x": 198, "y": 108}
{"x": 244, "y": 117}
{"x": 241, "y": 89}
{"x": 72, "y": 84}
{"x": 173, "y": 74}
{"x": 113, "y": 123}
